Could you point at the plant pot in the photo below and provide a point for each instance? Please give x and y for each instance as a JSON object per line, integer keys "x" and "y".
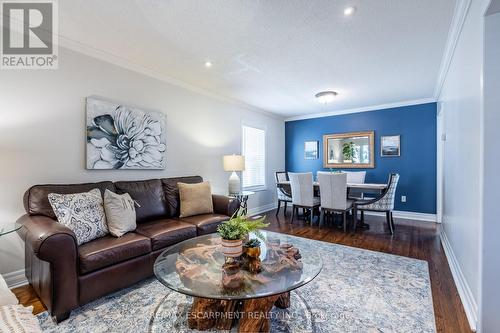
{"x": 347, "y": 161}
{"x": 232, "y": 248}
{"x": 253, "y": 252}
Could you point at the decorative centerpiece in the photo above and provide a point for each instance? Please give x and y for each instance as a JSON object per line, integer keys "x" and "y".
{"x": 234, "y": 231}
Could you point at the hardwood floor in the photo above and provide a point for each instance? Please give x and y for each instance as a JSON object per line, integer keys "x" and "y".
{"x": 414, "y": 239}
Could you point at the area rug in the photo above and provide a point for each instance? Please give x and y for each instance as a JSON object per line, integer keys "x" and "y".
{"x": 357, "y": 291}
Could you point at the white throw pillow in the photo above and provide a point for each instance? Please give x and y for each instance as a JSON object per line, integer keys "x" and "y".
{"x": 120, "y": 213}
{"x": 17, "y": 318}
{"x": 83, "y": 213}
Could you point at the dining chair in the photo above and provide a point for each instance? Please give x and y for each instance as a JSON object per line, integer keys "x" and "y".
{"x": 284, "y": 192}
{"x": 384, "y": 203}
{"x": 333, "y": 189}
{"x": 303, "y": 193}
{"x": 355, "y": 177}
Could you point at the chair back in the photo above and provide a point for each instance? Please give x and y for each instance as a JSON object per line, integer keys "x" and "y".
{"x": 333, "y": 189}
{"x": 355, "y": 177}
{"x": 302, "y": 188}
{"x": 390, "y": 195}
{"x": 281, "y": 176}
{"x": 283, "y": 192}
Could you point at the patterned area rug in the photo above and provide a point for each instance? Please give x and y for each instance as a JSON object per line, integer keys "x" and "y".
{"x": 357, "y": 291}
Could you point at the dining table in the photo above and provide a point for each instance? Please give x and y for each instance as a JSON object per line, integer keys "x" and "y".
{"x": 368, "y": 187}
{"x": 376, "y": 188}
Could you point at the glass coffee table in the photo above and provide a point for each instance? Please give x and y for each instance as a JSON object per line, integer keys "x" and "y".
{"x": 238, "y": 292}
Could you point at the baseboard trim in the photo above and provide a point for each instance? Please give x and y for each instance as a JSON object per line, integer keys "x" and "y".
{"x": 261, "y": 209}
{"x": 464, "y": 291}
{"x": 400, "y": 214}
{"x": 16, "y": 278}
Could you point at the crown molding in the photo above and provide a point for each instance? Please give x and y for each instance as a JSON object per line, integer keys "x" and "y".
{"x": 364, "y": 109}
{"x": 457, "y": 23}
{"x": 93, "y": 52}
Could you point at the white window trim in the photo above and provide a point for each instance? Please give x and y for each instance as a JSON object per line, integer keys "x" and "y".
{"x": 258, "y": 188}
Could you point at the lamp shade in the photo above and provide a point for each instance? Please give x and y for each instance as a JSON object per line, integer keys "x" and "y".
{"x": 234, "y": 162}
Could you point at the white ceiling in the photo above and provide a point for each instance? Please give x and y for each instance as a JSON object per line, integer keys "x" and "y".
{"x": 275, "y": 54}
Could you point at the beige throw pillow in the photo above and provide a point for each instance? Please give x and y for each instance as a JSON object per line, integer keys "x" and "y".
{"x": 120, "y": 213}
{"x": 196, "y": 199}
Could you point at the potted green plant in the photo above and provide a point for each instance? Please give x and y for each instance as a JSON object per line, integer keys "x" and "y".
{"x": 348, "y": 151}
{"x": 234, "y": 231}
{"x": 252, "y": 248}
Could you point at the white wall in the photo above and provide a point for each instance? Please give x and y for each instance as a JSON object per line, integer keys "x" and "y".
{"x": 42, "y": 133}
{"x": 489, "y": 306}
{"x": 461, "y": 101}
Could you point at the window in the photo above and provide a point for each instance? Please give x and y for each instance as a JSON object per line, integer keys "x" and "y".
{"x": 254, "y": 150}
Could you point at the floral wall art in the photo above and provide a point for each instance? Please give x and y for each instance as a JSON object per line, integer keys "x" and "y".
{"x": 122, "y": 137}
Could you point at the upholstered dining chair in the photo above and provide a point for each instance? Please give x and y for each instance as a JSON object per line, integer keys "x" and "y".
{"x": 303, "y": 193}
{"x": 384, "y": 203}
{"x": 333, "y": 189}
{"x": 355, "y": 177}
{"x": 284, "y": 192}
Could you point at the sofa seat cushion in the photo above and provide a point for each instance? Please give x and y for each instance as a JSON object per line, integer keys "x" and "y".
{"x": 206, "y": 223}
{"x": 166, "y": 232}
{"x": 109, "y": 250}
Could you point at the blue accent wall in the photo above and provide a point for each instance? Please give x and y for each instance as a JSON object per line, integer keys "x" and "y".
{"x": 417, "y": 164}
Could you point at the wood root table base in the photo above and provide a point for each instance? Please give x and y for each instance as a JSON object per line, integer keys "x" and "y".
{"x": 252, "y": 314}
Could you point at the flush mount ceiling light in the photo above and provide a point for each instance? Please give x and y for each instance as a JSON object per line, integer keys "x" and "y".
{"x": 326, "y": 97}
{"x": 208, "y": 64}
{"x": 348, "y": 11}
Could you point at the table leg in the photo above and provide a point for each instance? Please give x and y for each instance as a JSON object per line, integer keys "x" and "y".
{"x": 283, "y": 301}
{"x": 256, "y": 314}
{"x": 253, "y": 314}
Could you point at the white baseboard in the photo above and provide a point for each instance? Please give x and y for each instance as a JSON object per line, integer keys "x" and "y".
{"x": 15, "y": 279}
{"x": 464, "y": 291}
{"x": 262, "y": 209}
{"x": 400, "y": 214}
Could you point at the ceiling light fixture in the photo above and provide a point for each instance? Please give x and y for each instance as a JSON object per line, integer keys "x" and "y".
{"x": 348, "y": 11}
{"x": 208, "y": 64}
{"x": 326, "y": 97}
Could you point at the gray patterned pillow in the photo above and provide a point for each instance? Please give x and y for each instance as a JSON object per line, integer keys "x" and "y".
{"x": 83, "y": 213}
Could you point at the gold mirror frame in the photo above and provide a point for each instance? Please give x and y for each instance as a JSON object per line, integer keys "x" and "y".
{"x": 371, "y": 138}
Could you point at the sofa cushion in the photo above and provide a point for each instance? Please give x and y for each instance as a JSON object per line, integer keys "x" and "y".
{"x": 82, "y": 213}
{"x": 166, "y": 232}
{"x": 120, "y": 213}
{"x": 206, "y": 223}
{"x": 36, "y": 200}
{"x": 149, "y": 195}
{"x": 172, "y": 192}
{"x": 109, "y": 250}
{"x": 195, "y": 199}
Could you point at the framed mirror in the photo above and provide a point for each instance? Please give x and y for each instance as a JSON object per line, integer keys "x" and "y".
{"x": 349, "y": 150}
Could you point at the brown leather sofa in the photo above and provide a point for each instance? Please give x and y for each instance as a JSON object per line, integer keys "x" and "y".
{"x": 66, "y": 276}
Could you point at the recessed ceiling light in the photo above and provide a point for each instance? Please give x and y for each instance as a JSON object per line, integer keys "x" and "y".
{"x": 348, "y": 11}
{"x": 208, "y": 64}
{"x": 326, "y": 97}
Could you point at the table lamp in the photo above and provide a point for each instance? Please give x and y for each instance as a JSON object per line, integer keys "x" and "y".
{"x": 234, "y": 163}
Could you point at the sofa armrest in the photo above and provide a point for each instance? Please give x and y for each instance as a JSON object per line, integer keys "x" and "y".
{"x": 51, "y": 255}
{"x": 48, "y": 239}
{"x": 225, "y": 205}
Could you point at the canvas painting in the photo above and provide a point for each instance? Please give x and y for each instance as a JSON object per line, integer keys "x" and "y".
{"x": 390, "y": 146}
{"x": 311, "y": 150}
{"x": 123, "y": 137}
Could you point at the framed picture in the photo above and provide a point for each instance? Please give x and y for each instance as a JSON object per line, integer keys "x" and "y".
{"x": 311, "y": 150}
{"x": 124, "y": 137}
{"x": 390, "y": 146}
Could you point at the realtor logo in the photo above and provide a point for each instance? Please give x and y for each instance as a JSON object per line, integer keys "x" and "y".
{"x": 29, "y": 33}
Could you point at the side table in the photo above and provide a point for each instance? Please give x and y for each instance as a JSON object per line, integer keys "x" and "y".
{"x": 242, "y": 197}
